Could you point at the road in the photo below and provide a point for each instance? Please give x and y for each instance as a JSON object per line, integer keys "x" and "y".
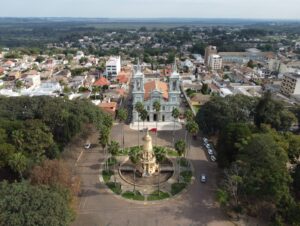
{"x": 98, "y": 207}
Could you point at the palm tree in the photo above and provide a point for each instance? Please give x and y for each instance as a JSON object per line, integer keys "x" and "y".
{"x": 104, "y": 139}
{"x": 113, "y": 149}
{"x": 139, "y": 108}
{"x": 193, "y": 128}
{"x": 175, "y": 115}
{"x": 156, "y": 106}
{"x": 122, "y": 116}
{"x": 189, "y": 115}
{"x": 144, "y": 115}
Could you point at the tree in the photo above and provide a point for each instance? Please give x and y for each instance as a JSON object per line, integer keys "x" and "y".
{"x": 160, "y": 153}
{"x": 189, "y": 115}
{"x": 231, "y": 141}
{"x": 180, "y": 147}
{"x": 214, "y": 115}
{"x": 193, "y": 129}
{"x": 232, "y": 182}
{"x": 175, "y": 115}
{"x": 104, "y": 138}
{"x": 53, "y": 173}
{"x": 205, "y": 89}
{"x": 156, "y": 107}
{"x": 122, "y": 116}
{"x": 250, "y": 64}
{"x": 139, "y": 108}
{"x": 113, "y": 148}
{"x": 272, "y": 112}
{"x": 144, "y": 116}
{"x": 265, "y": 175}
{"x": 18, "y": 162}
{"x": 25, "y": 204}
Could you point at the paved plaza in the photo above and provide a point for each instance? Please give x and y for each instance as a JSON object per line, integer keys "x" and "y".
{"x": 99, "y": 207}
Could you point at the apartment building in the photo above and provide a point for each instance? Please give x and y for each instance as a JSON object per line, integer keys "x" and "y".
{"x": 215, "y": 62}
{"x": 290, "y": 84}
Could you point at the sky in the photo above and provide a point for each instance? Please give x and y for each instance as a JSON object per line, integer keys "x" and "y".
{"x": 247, "y": 9}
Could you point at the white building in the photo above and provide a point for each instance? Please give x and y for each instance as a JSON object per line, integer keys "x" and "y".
{"x": 33, "y": 80}
{"x": 113, "y": 66}
{"x": 215, "y": 62}
{"x": 167, "y": 94}
{"x": 290, "y": 84}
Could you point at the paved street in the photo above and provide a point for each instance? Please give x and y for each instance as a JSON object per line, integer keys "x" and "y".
{"x": 98, "y": 207}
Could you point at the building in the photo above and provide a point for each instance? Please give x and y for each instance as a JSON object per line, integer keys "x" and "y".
{"x": 113, "y": 66}
{"x": 244, "y": 57}
{"x": 215, "y": 62}
{"x": 209, "y": 50}
{"x": 290, "y": 84}
{"x": 167, "y": 94}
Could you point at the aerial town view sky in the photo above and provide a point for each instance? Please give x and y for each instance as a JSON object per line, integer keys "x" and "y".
{"x": 268, "y": 9}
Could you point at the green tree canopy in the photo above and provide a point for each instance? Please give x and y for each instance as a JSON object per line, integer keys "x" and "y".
{"x": 23, "y": 204}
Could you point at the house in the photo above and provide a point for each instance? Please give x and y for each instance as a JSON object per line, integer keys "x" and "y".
{"x": 13, "y": 75}
{"x": 109, "y": 107}
{"x": 32, "y": 79}
{"x": 102, "y": 81}
{"x": 9, "y": 64}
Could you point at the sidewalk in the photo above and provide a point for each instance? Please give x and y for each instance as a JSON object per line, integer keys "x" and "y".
{"x": 160, "y": 126}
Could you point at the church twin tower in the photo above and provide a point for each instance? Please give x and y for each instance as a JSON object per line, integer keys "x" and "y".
{"x": 150, "y": 90}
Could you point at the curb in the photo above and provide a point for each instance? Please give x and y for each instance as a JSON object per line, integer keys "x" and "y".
{"x": 146, "y": 202}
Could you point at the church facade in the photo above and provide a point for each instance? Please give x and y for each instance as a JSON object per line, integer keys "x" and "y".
{"x": 148, "y": 92}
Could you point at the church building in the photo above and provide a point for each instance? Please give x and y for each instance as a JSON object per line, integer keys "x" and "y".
{"x": 147, "y": 92}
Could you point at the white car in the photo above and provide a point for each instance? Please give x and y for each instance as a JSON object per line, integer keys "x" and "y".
{"x": 213, "y": 158}
{"x": 203, "y": 178}
{"x": 205, "y": 140}
{"x": 87, "y": 145}
{"x": 210, "y": 151}
{"x": 207, "y": 146}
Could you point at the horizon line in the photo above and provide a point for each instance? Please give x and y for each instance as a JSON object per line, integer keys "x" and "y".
{"x": 150, "y": 18}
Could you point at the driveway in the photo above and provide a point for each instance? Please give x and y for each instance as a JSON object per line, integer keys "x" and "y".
{"x": 98, "y": 207}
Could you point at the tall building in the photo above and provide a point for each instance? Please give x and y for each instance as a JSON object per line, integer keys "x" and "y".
{"x": 209, "y": 50}
{"x": 290, "y": 84}
{"x": 113, "y": 66}
{"x": 215, "y": 62}
{"x": 167, "y": 94}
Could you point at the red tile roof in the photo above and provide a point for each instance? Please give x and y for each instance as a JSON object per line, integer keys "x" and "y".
{"x": 161, "y": 86}
{"x": 102, "y": 81}
{"x": 123, "y": 77}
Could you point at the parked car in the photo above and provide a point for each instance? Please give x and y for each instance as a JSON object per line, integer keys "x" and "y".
{"x": 213, "y": 158}
{"x": 87, "y": 145}
{"x": 203, "y": 178}
{"x": 205, "y": 140}
{"x": 207, "y": 146}
{"x": 210, "y": 151}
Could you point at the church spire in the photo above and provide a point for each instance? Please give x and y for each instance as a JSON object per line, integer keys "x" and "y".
{"x": 139, "y": 66}
{"x": 174, "y": 65}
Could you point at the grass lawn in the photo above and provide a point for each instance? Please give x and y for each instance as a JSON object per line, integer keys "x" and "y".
{"x": 171, "y": 152}
{"x": 156, "y": 196}
{"x": 133, "y": 195}
{"x": 106, "y": 174}
{"x": 115, "y": 187}
{"x": 187, "y": 176}
{"x": 177, "y": 187}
